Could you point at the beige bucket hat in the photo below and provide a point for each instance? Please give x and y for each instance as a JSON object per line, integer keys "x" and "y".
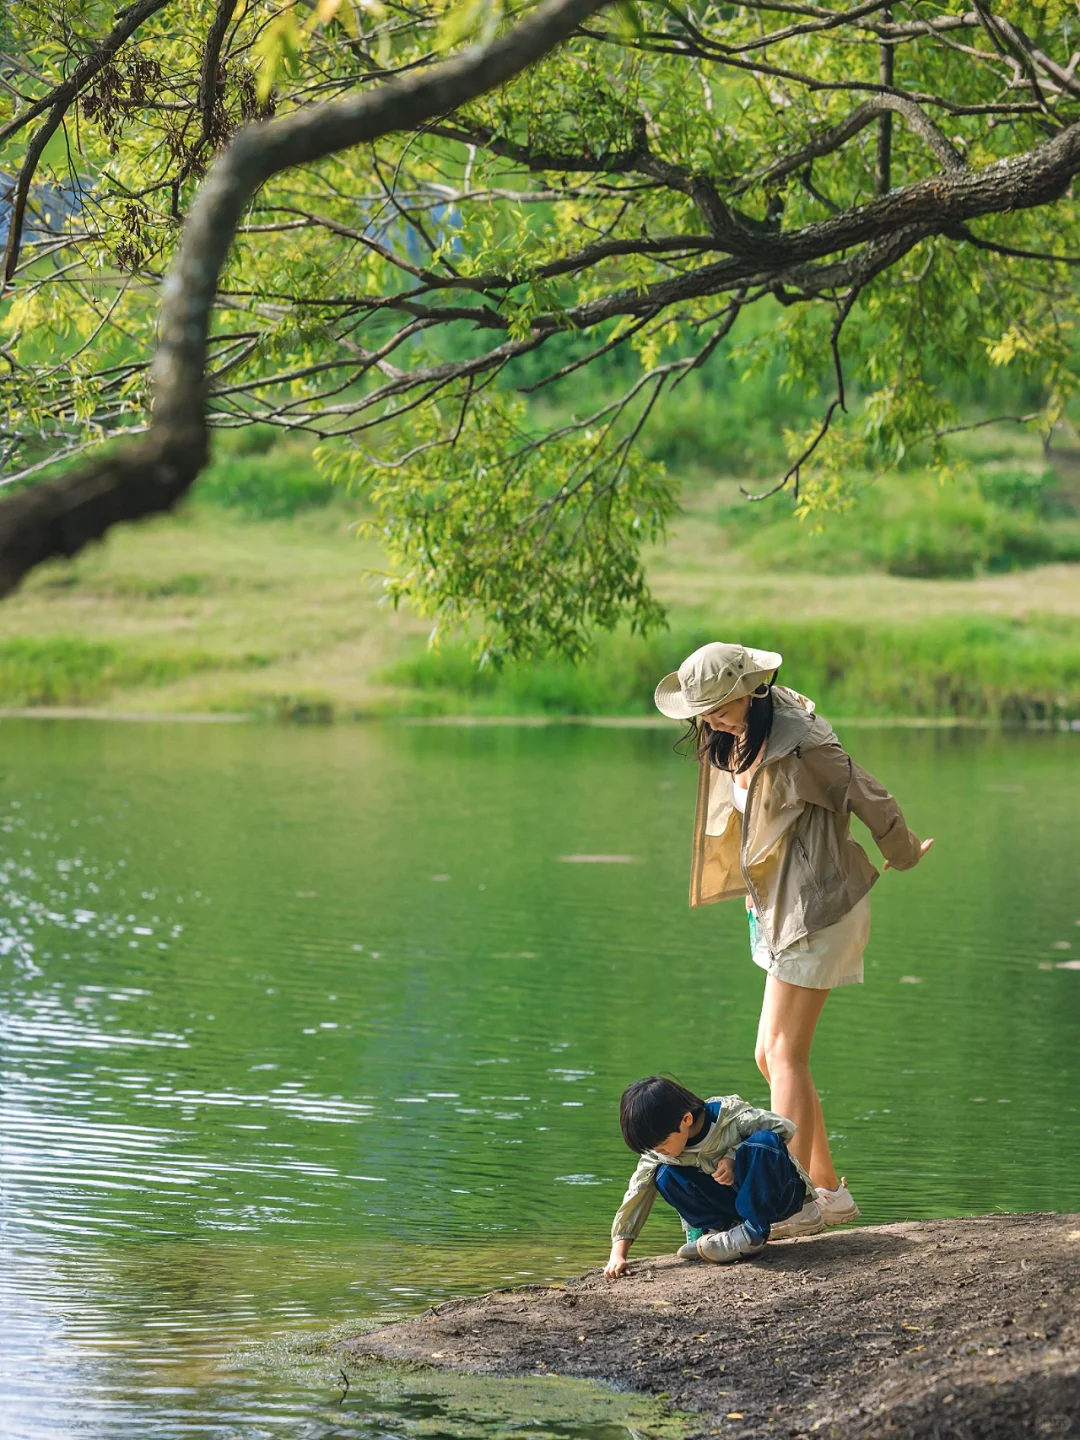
{"x": 712, "y": 676}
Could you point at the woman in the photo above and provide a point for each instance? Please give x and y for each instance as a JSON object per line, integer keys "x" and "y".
{"x": 775, "y": 797}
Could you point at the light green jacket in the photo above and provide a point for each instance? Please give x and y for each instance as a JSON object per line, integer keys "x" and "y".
{"x": 793, "y": 851}
{"x": 738, "y": 1119}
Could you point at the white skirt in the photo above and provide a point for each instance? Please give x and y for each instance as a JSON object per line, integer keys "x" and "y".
{"x": 825, "y": 958}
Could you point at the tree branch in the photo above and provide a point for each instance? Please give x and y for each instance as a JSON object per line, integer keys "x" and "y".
{"x": 61, "y": 516}
{"x": 57, "y": 104}
{"x": 865, "y": 114}
{"x": 98, "y": 58}
{"x": 208, "y": 75}
{"x": 886, "y": 62}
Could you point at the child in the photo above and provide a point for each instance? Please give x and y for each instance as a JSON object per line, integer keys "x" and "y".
{"x": 722, "y": 1164}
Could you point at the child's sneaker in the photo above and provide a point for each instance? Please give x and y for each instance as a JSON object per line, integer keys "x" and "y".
{"x": 721, "y": 1247}
{"x": 837, "y": 1206}
{"x": 807, "y": 1221}
{"x": 689, "y": 1251}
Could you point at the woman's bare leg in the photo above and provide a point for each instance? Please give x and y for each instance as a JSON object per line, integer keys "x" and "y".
{"x": 789, "y": 1016}
{"x": 820, "y": 1156}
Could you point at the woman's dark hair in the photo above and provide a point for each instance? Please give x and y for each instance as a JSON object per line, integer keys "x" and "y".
{"x": 734, "y": 753}
{"x": 653, "y": 1108}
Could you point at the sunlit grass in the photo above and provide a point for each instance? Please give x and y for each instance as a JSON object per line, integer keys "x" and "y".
{"x": 219, "y": 609}
{"x": 995, "y": 668}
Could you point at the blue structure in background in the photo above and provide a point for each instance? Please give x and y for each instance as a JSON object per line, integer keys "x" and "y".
{"x": 50, "y": 210}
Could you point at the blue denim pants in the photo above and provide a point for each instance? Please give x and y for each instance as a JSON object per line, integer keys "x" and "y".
{"x": 767, "y": 1188}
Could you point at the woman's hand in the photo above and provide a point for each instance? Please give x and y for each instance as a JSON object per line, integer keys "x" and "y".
{"x": 922, "y": 851}
{"x": 724, "y": 1174}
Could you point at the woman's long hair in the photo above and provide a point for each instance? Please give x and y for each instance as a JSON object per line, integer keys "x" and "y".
{"x": 734, "y": 753}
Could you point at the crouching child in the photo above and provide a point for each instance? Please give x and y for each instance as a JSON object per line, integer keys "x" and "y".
{"x": 722, "y": 1164}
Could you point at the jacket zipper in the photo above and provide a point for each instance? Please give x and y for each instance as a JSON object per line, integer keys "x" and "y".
{"x": 742, "y": 845}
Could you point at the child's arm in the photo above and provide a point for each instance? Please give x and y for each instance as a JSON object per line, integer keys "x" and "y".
{"x": 616, "y": 1264}
{"x": 631, "y": 1216}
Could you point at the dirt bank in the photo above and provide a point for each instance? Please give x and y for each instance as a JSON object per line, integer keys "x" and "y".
{"x": 944, "y": 1328}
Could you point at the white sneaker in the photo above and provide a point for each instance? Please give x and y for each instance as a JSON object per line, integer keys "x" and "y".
{"x": 837, "y": 1206}
{"x": 721, "y": 1247}
{"x": 689, "y": 1250}
{"x": 807, "y": 1221}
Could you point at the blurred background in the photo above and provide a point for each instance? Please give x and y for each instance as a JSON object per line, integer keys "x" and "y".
{"x": 951, "y": 592}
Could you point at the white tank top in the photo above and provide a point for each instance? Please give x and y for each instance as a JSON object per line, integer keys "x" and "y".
{"x": 738, "y": 797}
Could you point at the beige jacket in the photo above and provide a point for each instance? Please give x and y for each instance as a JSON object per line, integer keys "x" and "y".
{"x": 793, "y": 852}
{"x": 737, "y": 1119}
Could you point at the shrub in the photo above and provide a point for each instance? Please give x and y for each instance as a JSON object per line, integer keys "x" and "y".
{"x": 912, "y": 525}
{"x": 265, "y": 484}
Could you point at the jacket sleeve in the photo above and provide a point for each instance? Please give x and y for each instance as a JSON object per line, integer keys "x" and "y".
{"x": 827, "y": 776}
{"x": 749, "y": 1118}
{"x": 636, "y": 1203}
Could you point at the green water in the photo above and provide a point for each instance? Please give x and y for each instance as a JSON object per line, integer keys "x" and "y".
{"x": 302, "y": 1028}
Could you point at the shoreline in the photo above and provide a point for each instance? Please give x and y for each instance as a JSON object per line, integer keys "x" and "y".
{"x": 524, "y": 721}
{"x": 940, "y": 1328}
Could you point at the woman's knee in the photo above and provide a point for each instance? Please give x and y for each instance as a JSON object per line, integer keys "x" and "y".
{"x": 761, "y": 1056}
{"x": 779, "y": 1053}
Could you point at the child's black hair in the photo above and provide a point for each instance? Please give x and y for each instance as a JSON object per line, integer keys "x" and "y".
{"x": 653, "y": 1108}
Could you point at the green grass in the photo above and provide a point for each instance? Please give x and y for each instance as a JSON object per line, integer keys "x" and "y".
{"x": 914, "y": 604}
{"x": 987, "y": 669}
{"x": 68, "y": 670}
{"x": 1000, "y": 518}
{"x": 263, "y": 477}
{"x": 1009, "y": 509}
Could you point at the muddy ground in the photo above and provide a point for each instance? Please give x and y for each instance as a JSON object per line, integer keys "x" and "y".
{"x": 943, "y": 1328}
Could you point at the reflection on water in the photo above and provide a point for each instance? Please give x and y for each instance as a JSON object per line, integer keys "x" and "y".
{"x": 298, "y": 1028}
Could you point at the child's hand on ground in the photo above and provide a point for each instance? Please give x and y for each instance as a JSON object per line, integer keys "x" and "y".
{"x": 724, "y": 1174}
{"x": 616, "y": 1264}
{"x": 922, "y": 851}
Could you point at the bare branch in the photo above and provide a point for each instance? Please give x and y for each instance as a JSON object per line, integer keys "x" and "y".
{"x": 873, "y": 262}
{"x": 830, "y": 140}
{"x": 208, "y": 76}
{"x": 886, "y": 66}
{"x": 995, "y": 247}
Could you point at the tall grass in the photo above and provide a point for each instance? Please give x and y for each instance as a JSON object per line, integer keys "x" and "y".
{"x": 992, "y": 669}
{"x": 262, "y": 476}
{"x": 68, "y": 670}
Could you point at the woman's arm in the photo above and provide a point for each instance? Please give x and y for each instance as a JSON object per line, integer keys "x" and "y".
{"x": 826, "y": 775}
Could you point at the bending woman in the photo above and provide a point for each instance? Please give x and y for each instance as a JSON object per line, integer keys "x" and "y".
{"x": 775, "y": 797}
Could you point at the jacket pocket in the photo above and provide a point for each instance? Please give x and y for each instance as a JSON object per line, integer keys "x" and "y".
{"x": 808, "y": 875}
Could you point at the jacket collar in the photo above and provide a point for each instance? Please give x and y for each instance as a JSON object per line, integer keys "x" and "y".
{"x": 793, "y": 720}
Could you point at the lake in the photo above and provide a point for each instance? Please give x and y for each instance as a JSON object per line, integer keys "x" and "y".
{"x": 301, "y": 1028}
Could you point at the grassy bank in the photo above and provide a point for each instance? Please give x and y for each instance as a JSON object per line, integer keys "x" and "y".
{"x": 922, "y": 602}
{"x": 996, "y": 668}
